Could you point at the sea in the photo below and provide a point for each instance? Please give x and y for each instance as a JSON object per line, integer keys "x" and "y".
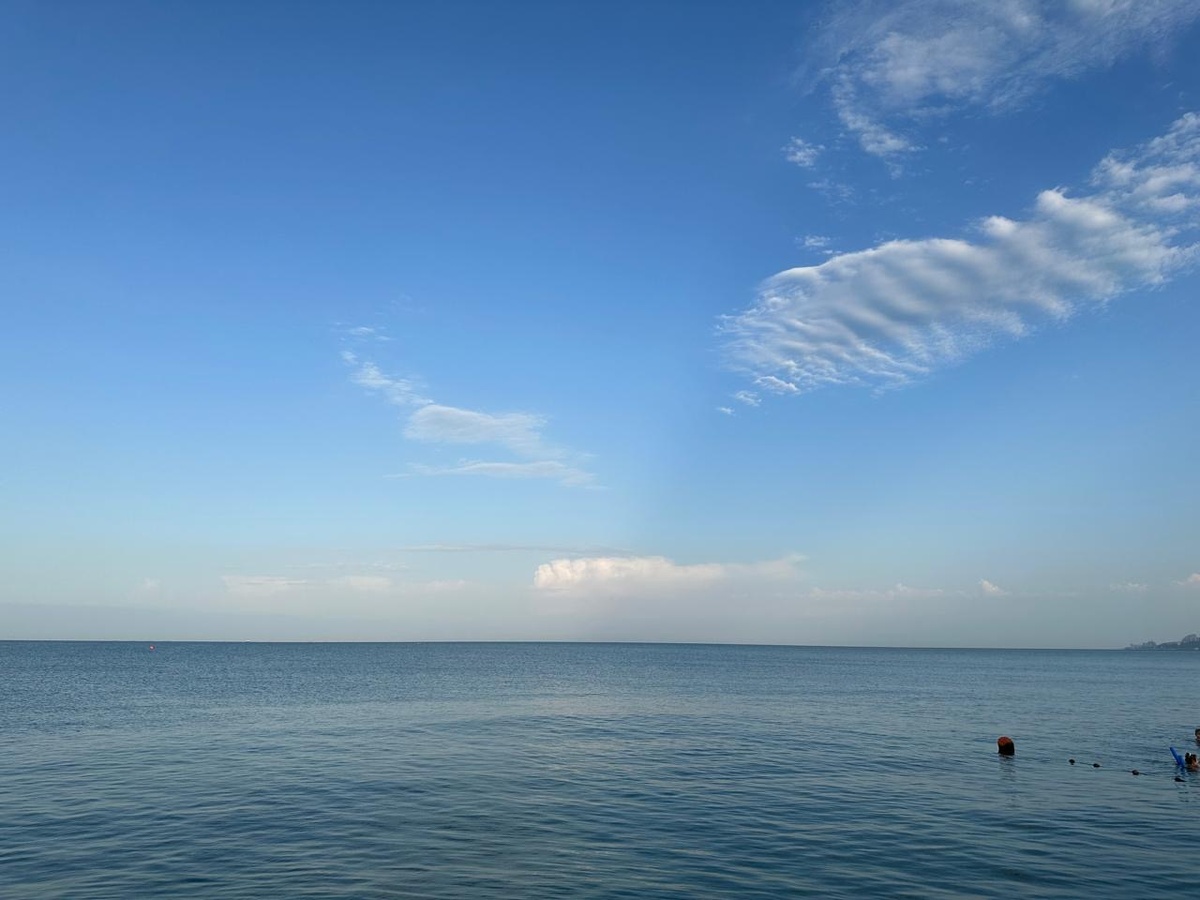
{"x": 531, "y": 770}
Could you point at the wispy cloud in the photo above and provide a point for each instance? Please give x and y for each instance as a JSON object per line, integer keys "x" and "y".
{"x": 1192, "y": 581}
{"x": 895, "y": 313}
{"x": 992, "y": 590}
{"x": 367, "y": 333}
{"x": 551, "y": 469}
{"x": 519, "y": 432}
{"x": 428, "y": 422}
{"x": 271, "y": 585}
{"x": 397, "y": 391}
{"x": 802, "y": 153}
{"x": 504, "y": 548}
{"x": 891, "y": 65}
{"x": 351, "y": 565}
{"x": 370, "y": 583}
{"x": 1129, "y": 587}
{"x": 836, "y": 193}
{"x": 262, "y": 585}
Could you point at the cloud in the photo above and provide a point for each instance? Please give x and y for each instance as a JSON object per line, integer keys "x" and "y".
{"x": 873, "y": 137}
{"x": 501, "y": 548}
{"x": 814, "y": 242}
{"x": 1129, "y": 587}
{"x": 775, "y": 385}
{"x": 1192, "y": 581}
{"x": 639, "y": 573}
{"x": 551, "y": 469}
{"x": 895, "y": 64}
{"x": 520, "y": 432}
{"x": 262, "y": 585}
{"x": 860, "y": 595}
{"x": 367, "y": 333}
{"x": 369, "y": 583}
{"x": 397, "y": 391}
{"x": 655, "y": 598}
{"x": 992, "y": 590}
{"x": 892, "y": 314}
{"x": 802, "y": 153}
{"x": 836, "y": 193}
{"x": 354, "y": 591}
{"x": 343, "y": 565}
{"x": 436, "y": 423}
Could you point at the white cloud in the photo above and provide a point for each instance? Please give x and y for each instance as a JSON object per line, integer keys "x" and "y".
{"x": 344, "y": 565}
{"x": 259, "y": 586}
{"x": 262, "y": 585}
{"x": 369, "y": 583}
{"x": 639, "y": 573}
{"x": 897, "y": 63}
{"x": 802, "y": 153}
{"x": 892, "y": 314}
{"x": 367, "y": 333}
{"x": 547, "y": 468}
{"x": 748, "y": 397}
{"x": 1129, "y": 587}
{"x": 653, "y": 597}
{"x": 873, "y": 137}
{"x": 725, "y": 410}
{"x": 430, "y": 422}
{"x": 501, "y": 548}
{"x": 520, "y": 432}
{"x": 775, "y": 385}
{"x": 992, "y": 590}
{"x": 814, "y": 242}
{"x": 397, "y": 391}
{"x": 859, "y": 595}
{"x": 836, "y": 193}
{"x": 1192, "y": 581}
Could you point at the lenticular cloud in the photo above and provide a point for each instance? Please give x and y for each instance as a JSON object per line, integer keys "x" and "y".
{"x": 892, "y": 314}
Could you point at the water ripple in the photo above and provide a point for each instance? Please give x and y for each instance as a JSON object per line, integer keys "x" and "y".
{"x": 588, "y": 771}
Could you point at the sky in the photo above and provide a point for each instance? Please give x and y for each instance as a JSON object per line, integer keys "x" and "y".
{"x": 852, "y": 323}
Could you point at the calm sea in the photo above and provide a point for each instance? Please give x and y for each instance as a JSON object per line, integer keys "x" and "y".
{"x": 592, "y": 770}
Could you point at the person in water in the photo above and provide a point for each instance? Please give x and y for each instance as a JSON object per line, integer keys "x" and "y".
{"x": 1005, "y": 746}
{"x": 1192, "y": 762}
{"x": 1198, "y": 735}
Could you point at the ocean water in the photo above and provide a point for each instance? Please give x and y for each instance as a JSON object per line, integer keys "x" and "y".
{"x": 592, "y": 770}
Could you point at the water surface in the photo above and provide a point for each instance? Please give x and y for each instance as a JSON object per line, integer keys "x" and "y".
{"x": 591, "y": 770}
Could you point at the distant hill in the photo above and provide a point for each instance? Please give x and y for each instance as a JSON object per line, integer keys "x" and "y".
{"x": 1190, "y": 642}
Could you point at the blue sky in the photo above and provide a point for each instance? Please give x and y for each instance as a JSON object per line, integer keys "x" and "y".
{"x": 854, "y": 323}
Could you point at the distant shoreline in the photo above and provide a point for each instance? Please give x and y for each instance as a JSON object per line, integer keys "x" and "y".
{"x": 1190, "y": 642}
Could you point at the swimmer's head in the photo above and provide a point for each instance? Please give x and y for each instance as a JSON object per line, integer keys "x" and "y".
{"x": 1005, "y": 746}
